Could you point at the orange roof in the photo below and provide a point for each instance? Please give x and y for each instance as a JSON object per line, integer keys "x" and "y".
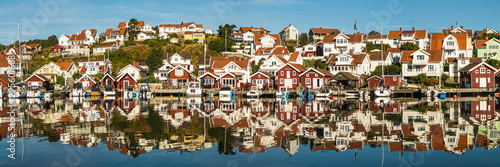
{"x": 280, "y": 50}
{"x": 63, "y": 65}
{"x": 375, "y": 36}
{"x": 260, "y": 51}
{"x": 323, "y": 30}
{"x": 82, "y": 36}
{"x": 199, "y": 25}
{"x": 393, "y": 50}
{"x": 294, "y": 56}
{"x": 397, "y": 34}
{"x": 124, "y": 24}
{"x": 448, "y": 31}
{"x": 176, "y": 25}
{"x": 435, "y": 55}
{"x": 121, "y": 32}
{"x": 375, "y": 56}
{"x": 437, "y": 40}
{"x": 480, "y": 43}
{"x": 280, "y": 58}
{"x": 4, "y": 62}
{"x": 258, "y": 36}
{"x": 222, "y": 63}
{"x": 108, "y": 32}
{"x": 284, "y": 29}
{"x": 461, "y": 40}
{"x": 352, "y": 37}
{"x": 104, "y": 46}
{"x": 298, "y": 67}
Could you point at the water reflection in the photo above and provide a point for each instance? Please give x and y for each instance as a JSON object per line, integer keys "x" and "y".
{"x": 253, "y": 126}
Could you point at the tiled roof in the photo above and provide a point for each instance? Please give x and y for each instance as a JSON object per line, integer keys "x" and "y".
{"x": 375, "y": 36}
{"x": 349, "y": 75}
{"x": 63, "y": 65}
{"x": 122, "y": 31}
{"x": 82, "y": 36}
{"x": 448, "y": 31}
{"x": 39, "y": 76}
{"x": 222, "y": 63}
{"x": 284, "y": 29}
{"x": 176, "y": 25}
{"x": 435, "y": 55}
{"x": 375, "y": 56}
{"x": 397, "y": 34}
{"x": 124, "y": 24}
{"x": 258, "y": 36}
{"x": 469, "y": 67}
{"x": 352, "y": 38}
{"x": 323, "y": 30}
{"x": 294, "y": 56}
{"x": 437, "y": 40}
{"x": 480, "y": 43}
{"x": 298, "y": 67}
{"x": 260, "y": 51}
{"x": 3, "y": 60}
{"x": 280, "y": 51}
{"x": 358, "y": 58}
{"x": 393, "y": 50}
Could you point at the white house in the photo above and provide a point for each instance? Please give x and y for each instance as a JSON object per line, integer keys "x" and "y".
{"x": 134, "y": 70}
{"x": 77, "y": 50}
{"x": 272, "y": 64}
{"x": 289, "y": 33}
{"x": 239, "y": 68}
{"x": 456, "y": 51}
{"x": 118, "y": 35}
{"x": 311, "y": 51}
{"x": 418, "y": 37}
{"x": 182, "y": 58}
{"x": 5, "y": 66}
{"x": 96, "y": 62}
{"x": 379, "y": 59}
{"x": 377, "y": 39}
{"x": 89, "y": 37}
{"x": 266, "y": 41}
{"x": 147, "y": 28}
{"x": 296, "y": 58}
{"x": 54, "y": 69}
{"x": 179, "y": 28}
{"x": 162, "y": 73}
{"x": 395, "y": 54}
{"x": 340, "y": 43}
{"x": 63, "y": 40}
{"x": 144, "y": 35}
{"x": 357, "y": 63}
{"x": 414, "y": 62}
{"x": 102, "y": 49}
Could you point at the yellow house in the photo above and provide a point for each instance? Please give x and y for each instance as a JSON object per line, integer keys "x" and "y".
{"x": 200, "y": 36}
{"x": 174, "y": 40}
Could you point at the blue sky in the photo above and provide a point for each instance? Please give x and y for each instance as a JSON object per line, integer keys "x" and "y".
{"x": 40, "y": 19}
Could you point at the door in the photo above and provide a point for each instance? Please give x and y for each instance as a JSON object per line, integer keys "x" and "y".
{"x": 288, "y": 74}
{"x": 288, "y": 83}
{"x": 125, "y": 84}
{"x": 315, "y": 83}
{"x": 482, "y": 82}
{"x": 86, "y": 84}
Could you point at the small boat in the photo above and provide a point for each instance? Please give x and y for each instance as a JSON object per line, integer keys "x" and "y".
{"x": 77, "y": 91}
{"x": 145, "y": 93}
{"x": 34, "y": 91}
{"x": 382, "y": 91}
{"x": 364, "y": 95}
{"x": 324, "y": 93}
{"x": 109, "y": 91}
{"x": 129, "y": 94}
{"x": 48, "y": 96}
{"x": 225, "y": 93}
{"x": 194, "y": 89}
{"x": 254, "y": 92}
{"x": 382, "y": 101}
{"x": 16, "y": 92}
{"x": 351, "y": 95}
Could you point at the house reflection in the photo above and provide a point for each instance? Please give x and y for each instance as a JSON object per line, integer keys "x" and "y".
{"x": 135, "y": 127}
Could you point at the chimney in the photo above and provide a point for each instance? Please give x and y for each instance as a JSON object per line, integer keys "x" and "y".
{"x": 182, "y": 22}
{"x": 451, "y": 27}
{"x": 351, "y": 51}
{"x": 413, "y": 28}
{"x": 399, "y": 28}
{"x": 289, "y": 24}
{"x": 462, "y": 27}
{"x": 487, "y": 38}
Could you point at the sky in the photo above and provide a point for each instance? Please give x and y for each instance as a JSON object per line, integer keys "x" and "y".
{"x": 39, "y": 19}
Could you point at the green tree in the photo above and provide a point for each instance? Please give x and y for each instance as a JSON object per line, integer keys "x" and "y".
{"x": 256, "y": 67}
{"x": 218, "y": 44}
{"x": 76, "y": 76}
{"x": 133, "y": 29}
{"x": 388, "y": 70}
{"x": 187, "y": 42}
{"x": 493, "y": 62}
{"x": 303, "y": 39}
{"x": 60, "y": 80}
{"x": 421, "y": 78}
{"x": 373, "y": 33}
{"x": 409, "y": 46}
{"x": 444, "y": 77}
{"x": 226, "y": 30}
{"x": 370, "y": 46}
{"x": 154, "y": 59}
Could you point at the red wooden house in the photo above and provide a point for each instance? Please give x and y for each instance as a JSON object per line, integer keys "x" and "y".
{"x": 108, "y": 81}
{"x": 262, "y": 80}
{"x": 477, "y": 75}
{"x": 86, "y": 81}
{"x": 179, "y": 76}
{"x": 125, "y": 81}
{"x": 37, "y": 80}
{"x": 208, "y": 79}
{"x": 315, "y": 78}
{"x": 228, "y": 79}
{"x": 312, "y": 112}
{"x": 126, "y": 106}
{"x": 57, "y": 49}
{"x": 479, "y": 111}
{"x": 288, "y": 75}
{"x": 389, "y": 80}
{"x": 288, "y": 112}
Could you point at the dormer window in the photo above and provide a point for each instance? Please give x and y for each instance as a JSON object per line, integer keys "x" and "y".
{"x": 344, "y": 58}
{"x": 420, "y": 57}
{"x": 450, "y": 43}
{"x": 341, "y": 40}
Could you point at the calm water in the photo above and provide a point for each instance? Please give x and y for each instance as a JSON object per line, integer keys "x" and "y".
{"x": 383, "y": 132}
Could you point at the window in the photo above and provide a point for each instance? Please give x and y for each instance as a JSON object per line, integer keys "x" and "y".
{"x": 485, "y": 55}
{"x": 328, "y": 49}
{"x": 488, "y": 80}
{"x": 410, "y": 68}
{"x": 489, "y": 71}
{"x": 477, "y": 79}
{"x": 420, "y": 57}
{"x": 273, "y": 63}
{"x": 493, "y": 47}
{"x": 431, "y": 67}
{"x": 294, "y": 73}
{"x": 477, "y": 71}
{"x": 483, "y": 70}
{"x": 394, "y": 78}
{"x": 281, "y": 81}
{"x": 450, "y": 43}
{"x": 417, "y": 69}
{"x": 282, "y": 73}
{"x": 294, "y": 80}
{"x": 308, "y": 80}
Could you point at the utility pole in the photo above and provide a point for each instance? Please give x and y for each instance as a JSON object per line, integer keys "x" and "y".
{"x": 225, "y": 41}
